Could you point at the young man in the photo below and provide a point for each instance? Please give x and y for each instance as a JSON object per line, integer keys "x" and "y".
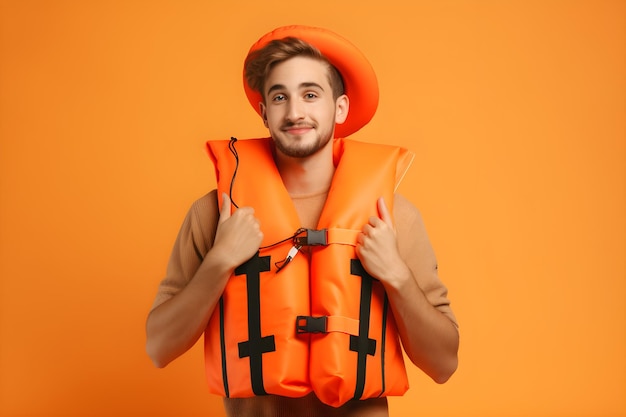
{"x": 304, "y": 269}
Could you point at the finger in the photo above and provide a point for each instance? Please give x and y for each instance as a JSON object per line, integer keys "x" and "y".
{"x": 369, "y": 227}
{"x": 383, "y": 212}
{"x": 225, "y": 209}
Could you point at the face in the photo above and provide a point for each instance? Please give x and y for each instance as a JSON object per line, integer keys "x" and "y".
{"x": 299, "y": 110}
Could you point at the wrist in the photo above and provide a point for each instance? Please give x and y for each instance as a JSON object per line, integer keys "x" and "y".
{"x": 219, "y": 261}
{"x": 398, "y": 277}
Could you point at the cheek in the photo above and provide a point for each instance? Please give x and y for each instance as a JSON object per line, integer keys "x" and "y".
{"x": 274, "y": 113}
{"x": 270, "y": 118}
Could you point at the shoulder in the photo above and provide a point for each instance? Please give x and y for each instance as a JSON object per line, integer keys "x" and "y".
{"x": 205, "y": 207}
{"x": 202, "y": 217}
{"x": 410, "y": 228}
{"x": 404, "y": 211}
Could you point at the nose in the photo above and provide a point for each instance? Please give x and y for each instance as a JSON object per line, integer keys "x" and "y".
{"x": 295, "y": 111}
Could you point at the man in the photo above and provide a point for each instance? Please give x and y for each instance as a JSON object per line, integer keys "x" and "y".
{"x": 305, "y": 269}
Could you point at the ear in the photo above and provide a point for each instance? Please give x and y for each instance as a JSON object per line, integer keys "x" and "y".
{"x": 342, "y": 107}
{"x": 263, "y": 113}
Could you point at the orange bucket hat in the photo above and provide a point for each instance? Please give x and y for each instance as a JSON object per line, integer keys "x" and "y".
{"x": 360, "y": 82}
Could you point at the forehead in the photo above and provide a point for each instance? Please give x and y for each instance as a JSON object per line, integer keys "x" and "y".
{"x": 297, "y": 71}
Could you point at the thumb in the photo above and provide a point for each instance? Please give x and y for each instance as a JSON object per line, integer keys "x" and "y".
{"x": 383, "y": 212}
{"x": 225, "y": 208}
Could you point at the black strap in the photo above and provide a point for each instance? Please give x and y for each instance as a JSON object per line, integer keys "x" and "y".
{"x": 223, "y": 349}
{"x": 256, "y": 345}
{"x": 362, "y": 344}
{"x": 383, "y": 339}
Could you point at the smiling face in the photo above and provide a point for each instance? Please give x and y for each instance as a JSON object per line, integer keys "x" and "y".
{"x": 299, "y": 109}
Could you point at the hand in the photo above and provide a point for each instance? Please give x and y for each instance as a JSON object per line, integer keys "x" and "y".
{"x": 238, "y": 236}
{"x": 377, "y": 247}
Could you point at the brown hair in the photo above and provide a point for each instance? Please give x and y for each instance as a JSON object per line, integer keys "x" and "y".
{"x": 259, "y": 63}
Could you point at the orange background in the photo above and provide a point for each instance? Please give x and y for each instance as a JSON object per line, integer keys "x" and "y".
{"x": 516, "y": 110}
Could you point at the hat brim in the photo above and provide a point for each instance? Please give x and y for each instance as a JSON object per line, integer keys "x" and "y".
{"x": 360, "y": 83}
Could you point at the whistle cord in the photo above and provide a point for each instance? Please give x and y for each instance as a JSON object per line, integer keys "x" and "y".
{"x": 233, "y": 150}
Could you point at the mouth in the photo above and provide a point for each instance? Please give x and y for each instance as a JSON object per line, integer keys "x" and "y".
{"x": 297, "y": 129}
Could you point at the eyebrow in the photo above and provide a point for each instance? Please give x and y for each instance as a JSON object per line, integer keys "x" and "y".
{"x": 302, "y": 85}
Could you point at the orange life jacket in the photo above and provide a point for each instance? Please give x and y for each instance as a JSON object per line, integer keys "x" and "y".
{"x": 288, "y": 324}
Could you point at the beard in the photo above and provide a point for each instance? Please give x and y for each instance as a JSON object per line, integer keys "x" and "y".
{"x": 303, "y": 148}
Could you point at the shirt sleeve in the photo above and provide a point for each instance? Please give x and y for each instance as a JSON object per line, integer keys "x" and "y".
{"x": 416, "y": 250}
{"x": 194, "y": 240}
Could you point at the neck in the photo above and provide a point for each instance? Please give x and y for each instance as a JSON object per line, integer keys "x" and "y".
{"x": 309, "y": 175}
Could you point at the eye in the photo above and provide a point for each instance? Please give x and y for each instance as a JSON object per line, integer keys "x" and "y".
{"x": 310, "y": 96}
{"x": 279, "y": 97}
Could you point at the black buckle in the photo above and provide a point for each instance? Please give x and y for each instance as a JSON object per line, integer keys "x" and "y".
{"x": 313, "y": 238}
{"x": 310, "y": 324}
